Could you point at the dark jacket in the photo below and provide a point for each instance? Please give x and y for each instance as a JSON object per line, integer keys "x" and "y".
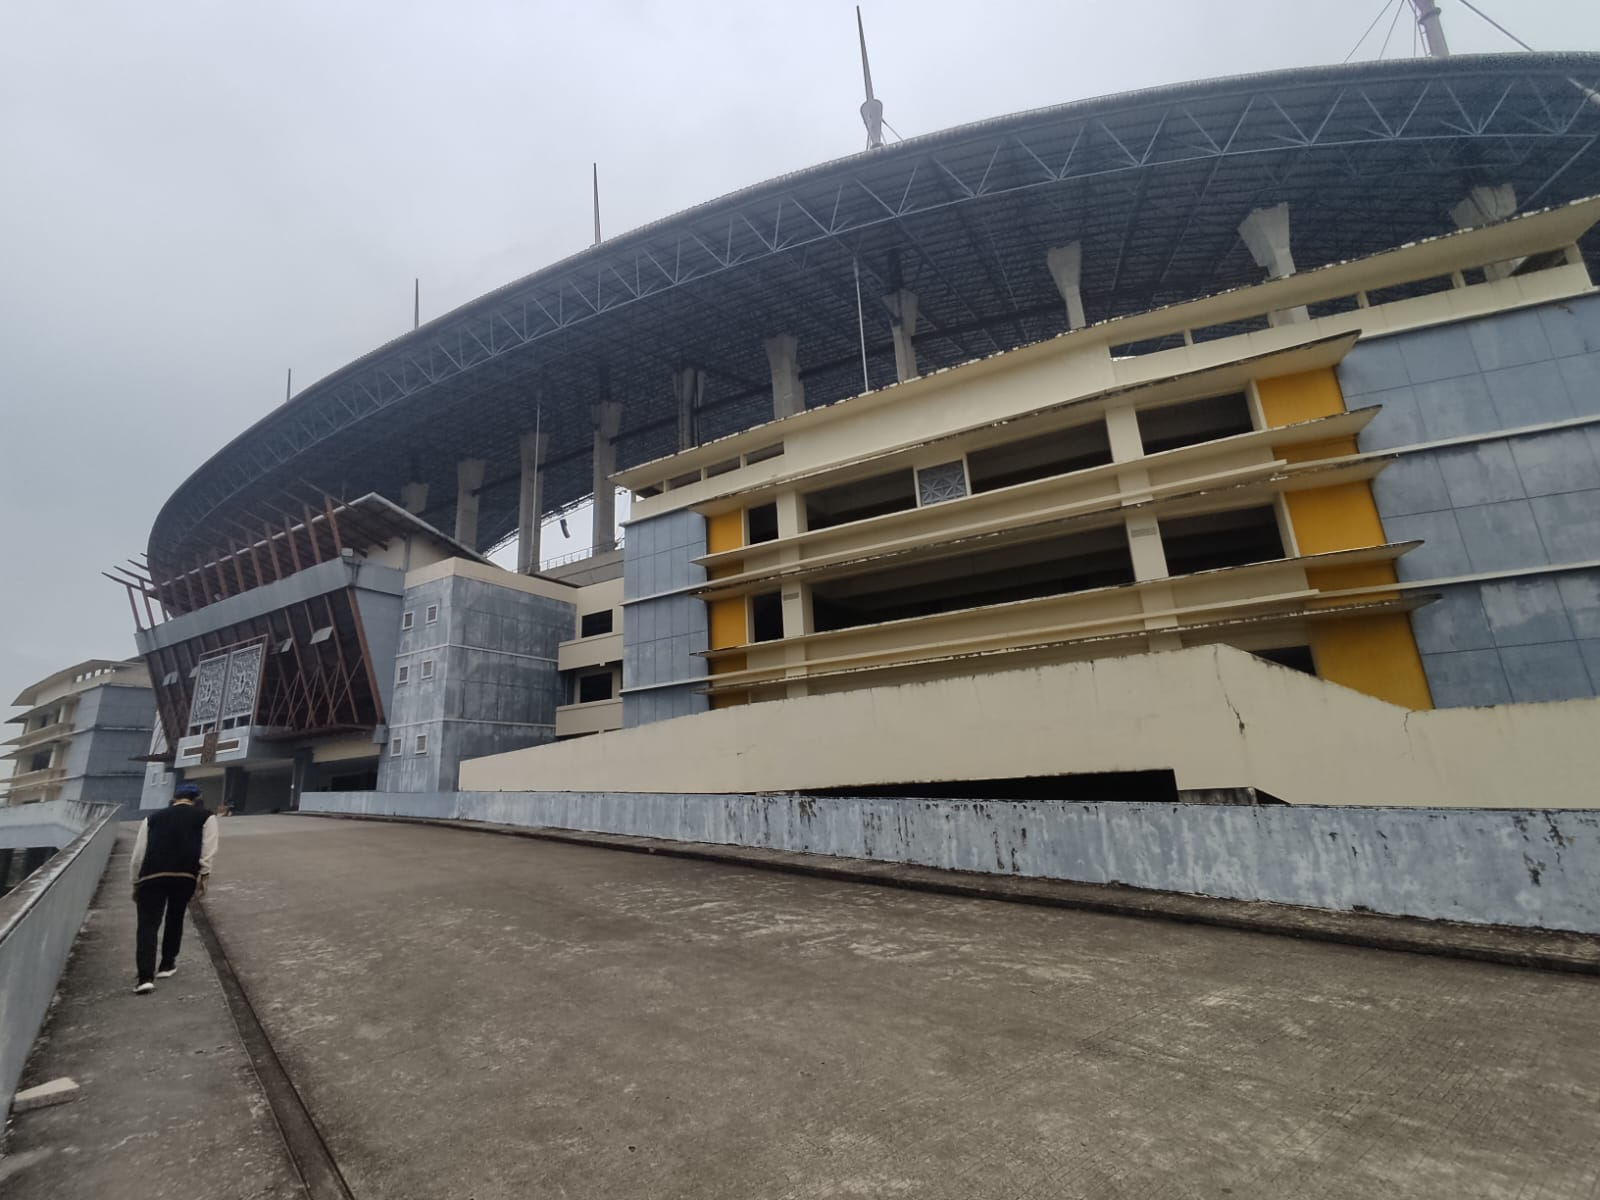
{"x": 175, "y": 842}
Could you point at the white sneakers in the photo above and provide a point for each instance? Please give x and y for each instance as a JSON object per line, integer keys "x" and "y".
{"x": 167, "y": 972}
{"x": 144, "y": 988}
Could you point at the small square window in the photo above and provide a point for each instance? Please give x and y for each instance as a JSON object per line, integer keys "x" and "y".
{"x": 396, "y": 747}
{"x": 432, "y": 615}
{"x": 422, "y": 743}
{"x": 408, "y": 620}
{"x": 403, "y": 674}
{"x": 595, "y": 623}
{"x": 427, "y": 668}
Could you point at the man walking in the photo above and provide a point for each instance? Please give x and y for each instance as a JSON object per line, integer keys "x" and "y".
{"x": 171, "y": 863}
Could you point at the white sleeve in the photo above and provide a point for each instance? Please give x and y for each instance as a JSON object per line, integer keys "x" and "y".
{"x": 137, "y": 861}
{"x": 208, "y": 844}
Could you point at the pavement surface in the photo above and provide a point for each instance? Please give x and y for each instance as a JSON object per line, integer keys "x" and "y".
{"x": 168, "y": 1105}
{"x": 477, "y": 1017}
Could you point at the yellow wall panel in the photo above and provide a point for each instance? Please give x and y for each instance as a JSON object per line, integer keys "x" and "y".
{"x": 1301, "y": 397}
{"x": 1341, "y": 517}
{"x": 1375, "y": 655}
{"x": 725, "y": 531}
{"x": 727, "y": 622}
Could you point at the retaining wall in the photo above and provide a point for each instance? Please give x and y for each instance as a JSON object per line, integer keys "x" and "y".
{"x": 1532, "y": 868}
{"x": 38, "y": 924}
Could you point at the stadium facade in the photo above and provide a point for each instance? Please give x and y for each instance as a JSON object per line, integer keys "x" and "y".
{"x": 986, "y": 461}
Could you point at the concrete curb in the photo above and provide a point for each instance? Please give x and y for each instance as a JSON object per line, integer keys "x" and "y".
{"x": 1538, "y": 949}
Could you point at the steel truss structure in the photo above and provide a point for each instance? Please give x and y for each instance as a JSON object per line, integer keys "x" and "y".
{"x": 1153, "y": 184}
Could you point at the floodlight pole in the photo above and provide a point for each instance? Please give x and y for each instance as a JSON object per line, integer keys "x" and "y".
{"x": 1432, "y": 30}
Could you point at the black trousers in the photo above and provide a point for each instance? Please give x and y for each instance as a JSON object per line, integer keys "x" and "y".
{"x": 160, "y": 901}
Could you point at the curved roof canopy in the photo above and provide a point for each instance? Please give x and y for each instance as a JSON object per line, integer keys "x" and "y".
{"x": 1153, "y": 184}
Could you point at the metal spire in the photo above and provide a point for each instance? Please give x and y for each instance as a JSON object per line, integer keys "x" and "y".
{"x": 872, "y": 107}
{"x": 416, "y": 303}
{"x": 596, "y": 204}
{"x": 1432, "y": 32}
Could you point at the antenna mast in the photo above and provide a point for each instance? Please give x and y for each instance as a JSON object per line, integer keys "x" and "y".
{"x": 1432, "y": 32}
{"x": 596, "y": 204}
{"x": 872, "y": 107}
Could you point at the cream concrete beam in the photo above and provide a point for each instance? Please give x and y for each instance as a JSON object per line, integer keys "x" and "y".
{"x": 1233, "y": 488}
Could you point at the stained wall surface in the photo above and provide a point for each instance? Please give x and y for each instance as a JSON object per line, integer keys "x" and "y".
{"x": 662, "y": 635}
{"x": 1498, "y": 423}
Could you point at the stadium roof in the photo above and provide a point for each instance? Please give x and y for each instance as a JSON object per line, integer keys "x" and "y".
{"x": 1152, "y": 183}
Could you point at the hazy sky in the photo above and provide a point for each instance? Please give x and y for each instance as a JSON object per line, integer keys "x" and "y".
{"x": 195, "y": 196}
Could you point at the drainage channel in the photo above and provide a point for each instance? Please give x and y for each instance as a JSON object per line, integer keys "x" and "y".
{"x": 304, "y": 1141}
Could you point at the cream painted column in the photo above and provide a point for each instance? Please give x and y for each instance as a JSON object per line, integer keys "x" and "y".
{"x": 1144, "y": 531}
{"x": 1488, "y": 206}
{"x": 469, "y": 478}
{"x": 1266, "y": 236}
{"x": 1066, "y": 268}
{"x": 902, "y": 306}
{"x": 530, "y": 501}
{"x": 607, "y": 421}
{"x": 796, "y": 596}
{"x": 788, "y": 393}
{"x": 414, "y": 498}
{"x": 688, "y": 387}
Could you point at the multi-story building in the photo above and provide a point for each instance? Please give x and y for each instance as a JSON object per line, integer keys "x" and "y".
{"x": 83, "y": 731}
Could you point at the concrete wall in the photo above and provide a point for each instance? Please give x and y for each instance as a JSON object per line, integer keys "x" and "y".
{"x": 111, "y": 727}
{"x": 1215, "y": 716}
{"x": 661, "y": 634}
{"x": 38, "y": 923}
{"x": 494, "y": 685}
{"x": 1527, "y": 868}
{"x": 1517, "y": 513}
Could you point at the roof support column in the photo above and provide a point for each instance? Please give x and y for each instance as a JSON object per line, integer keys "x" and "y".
{"x": 469, "y": 478}
{"x": 414, "y": 498}
{"x": 607, "y": 421}
{"x": 1266, "y": 236}
{"x": 689, "y": 388}
{"x": 1066, "y": 267}
{"x": 902, "y": 306}
{"x": 530, "y": 501}
{"x": 1488, "y": 206}
{"x": 788, "y": 393}
{"x": 795, "y": 596}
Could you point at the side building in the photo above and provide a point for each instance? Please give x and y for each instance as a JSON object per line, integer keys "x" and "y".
{"x": 82, "y": 733}
{"x": 357, "y": 648}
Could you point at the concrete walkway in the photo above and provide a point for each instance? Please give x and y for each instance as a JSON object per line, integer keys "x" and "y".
{"x": 475, "y": 1016}
{"x": 168, "y": 1104}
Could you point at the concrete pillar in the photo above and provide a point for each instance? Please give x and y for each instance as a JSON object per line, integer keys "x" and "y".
{"x": 469, "y": 478}
{"x": 1144, "y": 532}
{"x": 788, "y": 393}
{"x": 902, "y": 306}
{"x": 688, "y": 388}
{"x": 1066, "y": 266}
{"x": 530, "y": 500}
{"x": 302, "y": 776}
{"x": 1488, "y": 206}
{"x": 414, "y": 498}
{"x": 607, "y": 421}
{"x": 1266, "y": 236}
{"x": 795, "y": 597}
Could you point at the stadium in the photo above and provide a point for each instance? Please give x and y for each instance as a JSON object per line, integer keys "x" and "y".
{"x": 818, "y": 361}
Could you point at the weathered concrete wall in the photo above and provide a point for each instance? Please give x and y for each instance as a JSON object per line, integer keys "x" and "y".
{"x": 38, "y": 923}
{"x": 1501, "y": 866}
{"x": 49, "y": 823}
{"x": 1526, "y": 503}
{"x": 1215, "y": 716}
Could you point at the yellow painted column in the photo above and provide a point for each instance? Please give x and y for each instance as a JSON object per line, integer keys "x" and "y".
{"x": 1377, "y": 654}
{"x": 725, "y": 619}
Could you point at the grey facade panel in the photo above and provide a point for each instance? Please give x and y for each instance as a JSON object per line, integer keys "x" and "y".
{"x": 1523, "y": 503}
{"x": 481, "y": 678}
{"x": 663, "y": 636}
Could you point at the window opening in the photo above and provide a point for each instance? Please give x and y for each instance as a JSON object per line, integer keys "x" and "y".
{"x": 1194, "y": 421}
{"x": 861, "y": 499}
{"x": 594, "y": 624}
{"x": 1212, "y": 541}
{"x": 408, "y": 620}
{"x": 1041, "y": 457}
{"x": 761, "y": 523}
{"x": 766, "y": 617}
{"x": 594, "y": 687}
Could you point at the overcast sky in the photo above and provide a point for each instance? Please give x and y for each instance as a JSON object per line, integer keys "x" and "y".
{"x": 196, "y": 196}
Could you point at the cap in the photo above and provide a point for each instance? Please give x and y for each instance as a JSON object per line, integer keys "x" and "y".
{"x": 187, "y": 791}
